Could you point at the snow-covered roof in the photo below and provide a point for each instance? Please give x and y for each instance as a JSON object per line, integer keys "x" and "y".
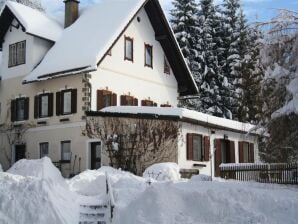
{"x": 34, "y": 21}
{"x": 84, "y": 43}
{"x": 183, "y": 113}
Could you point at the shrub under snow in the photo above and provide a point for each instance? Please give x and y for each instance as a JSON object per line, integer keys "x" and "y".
{"x": 163, "y": 172}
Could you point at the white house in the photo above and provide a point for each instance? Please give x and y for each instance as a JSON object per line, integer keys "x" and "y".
{"x": 115, "y": 53}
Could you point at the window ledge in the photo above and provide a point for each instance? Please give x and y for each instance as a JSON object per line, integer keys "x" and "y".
{"x": 65, "y": 119}
{"x": 199, "y": 165}
{"x": 18, "y": 123}
{"x": 64, "y": 161}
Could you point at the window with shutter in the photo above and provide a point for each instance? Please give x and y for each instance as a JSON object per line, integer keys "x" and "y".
{"x": 66, "y": 102}
{"x": 43, "y": 105}
{"x": 20, "y": 109}
{"x": 17, "y": 54}
{"x": 195, "y": 147}
{"x": 106, "y": 98}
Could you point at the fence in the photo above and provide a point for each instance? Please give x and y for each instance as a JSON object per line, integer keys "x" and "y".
{"x": 278, "y": 173}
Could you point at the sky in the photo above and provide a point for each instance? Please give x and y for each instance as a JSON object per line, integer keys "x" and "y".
{"x": 255, "y": 10}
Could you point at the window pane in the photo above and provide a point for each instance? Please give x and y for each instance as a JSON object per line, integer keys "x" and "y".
{"x": 107, "y": 100}
{"x": 65, "y": 150}
{"x": 148, "y": 56}
{"x": 128, "y": 49}
{"x": 67, "y": 103}
{"x": 44, "y": 106}
{"x": 197, "y": 147}
{"x": 20, "y": 104}
{"x": 245, "y": 152}
{"x": 44, "y": 149}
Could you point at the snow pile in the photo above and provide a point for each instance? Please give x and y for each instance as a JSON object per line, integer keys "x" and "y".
{"x": 88, "y": 183}
{"x": 39, "y": 168}
{"x": 163, "y": 172}
{"x": 32, "y": 200}
{"x": 201, "y": 177}
{"x": 212, "y": 202}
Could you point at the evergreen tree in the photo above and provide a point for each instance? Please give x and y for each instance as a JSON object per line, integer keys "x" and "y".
{"x": 230, "y": 60}
{"x": 210, "y": 80}
{"x": 184, "y": 24}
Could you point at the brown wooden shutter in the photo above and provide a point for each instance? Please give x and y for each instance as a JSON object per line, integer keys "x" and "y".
{"x": 74, "y": 100}
{"x": 26, "y": 108}
{"x": 13, "y": 110}
{"x": 114, "y": 99}
{"x": 252, "y": 152}
{"x": 232, "y": 152}
{"x": 99, "y": 99}
{"x": 58, "y": 103}
{"x": 123, "y": 100}
{"x": 217, "y": 157}
{"x": 241, "y": 155}
{"x": 135, "y": 102}
{"x": 50, "y": 104}
{"x": 36, "y": 107}
{"x": 189, "y": 145}
{"x": 206, "y": 148}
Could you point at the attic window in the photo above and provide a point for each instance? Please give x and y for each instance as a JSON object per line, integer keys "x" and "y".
{"x": 17, "y": 54}
{"x": 128, "y": 49}
{"x": 148, "y": 55}
{"x": 167, "y": 69}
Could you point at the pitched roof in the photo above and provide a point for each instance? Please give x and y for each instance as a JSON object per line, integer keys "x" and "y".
{"x": 179, "y": 113}
{"x": 32, "y": 21}
{"x": 84, "y": 44}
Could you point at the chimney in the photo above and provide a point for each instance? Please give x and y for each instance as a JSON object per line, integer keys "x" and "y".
{"x": 71, "y": 12}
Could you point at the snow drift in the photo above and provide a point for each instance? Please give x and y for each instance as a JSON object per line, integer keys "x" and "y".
{"x": 163, "y": 172}
{"x": 33, "y": 191}
{"x": 212, "y": 202}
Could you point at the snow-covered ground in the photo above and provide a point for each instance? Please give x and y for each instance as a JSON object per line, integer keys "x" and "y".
{"x": 33, "y": 191}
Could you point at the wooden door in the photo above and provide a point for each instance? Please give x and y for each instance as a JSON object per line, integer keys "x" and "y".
{"x": 95, "y": 155}
{"x": 20, "y": 152}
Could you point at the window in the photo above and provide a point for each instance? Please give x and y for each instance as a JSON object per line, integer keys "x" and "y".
{"x": 43, "y": 105}
{"x": 246, "y": 152}
{"x": 128, "y": 101}
{"x": 148, "y": 103}
{"x": 197, "y": 147}
{"x": 148, "y": 56}
{"x": 20, "y": 109}
{"x": 167, "y": 68}
{"x": 44, "y": 149}
{"x": 66, "y": 102}
{"x": 17, "y": 54}
{"x": 128, "y": 48}
{"x": 106, "y": 98}
{"x": 65, "y": 151}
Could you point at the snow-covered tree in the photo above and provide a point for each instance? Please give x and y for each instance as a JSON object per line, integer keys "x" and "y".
{"x": 35, "y": 4}
{"x": 230, "y": 60}
{"x": 184, "y": 24}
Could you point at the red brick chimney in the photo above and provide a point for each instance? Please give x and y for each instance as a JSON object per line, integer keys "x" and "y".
{"x": 71, "y": 12}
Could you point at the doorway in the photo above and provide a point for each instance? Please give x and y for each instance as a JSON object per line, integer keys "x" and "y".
{"x": 225, "y": 153}
{"x": 20, "y": 152}
{"x": 95, "y": 155}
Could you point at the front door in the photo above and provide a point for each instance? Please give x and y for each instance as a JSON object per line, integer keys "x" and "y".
{"x": 20, "y": 152}
{"x": 95, "y": 155}
{"x": 224, "y": 153}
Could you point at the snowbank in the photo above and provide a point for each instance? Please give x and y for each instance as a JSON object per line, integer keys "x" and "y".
{"x": 88, "y": 183}
{"x": 163, "y": 172}
{"x": 201, "y": 177}
{"x": 40, "y": 168}
{"x": 32, "y": 200}
{"x": 212, "y": 202}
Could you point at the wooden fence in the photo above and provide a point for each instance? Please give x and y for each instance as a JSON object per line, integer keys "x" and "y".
{"x": 278, "y": 173}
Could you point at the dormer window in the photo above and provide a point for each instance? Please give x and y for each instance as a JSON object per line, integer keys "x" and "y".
{"x": 148, "y": 55}
{"x": 17, "y": 54}
{"x": 128, "y": 48}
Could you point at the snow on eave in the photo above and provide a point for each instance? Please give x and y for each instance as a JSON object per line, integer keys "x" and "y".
{"x": 35, "y": 22}
{"x": 184, "y": 115}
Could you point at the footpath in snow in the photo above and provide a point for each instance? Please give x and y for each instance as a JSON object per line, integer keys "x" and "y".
{"x": 33, "y": 191}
